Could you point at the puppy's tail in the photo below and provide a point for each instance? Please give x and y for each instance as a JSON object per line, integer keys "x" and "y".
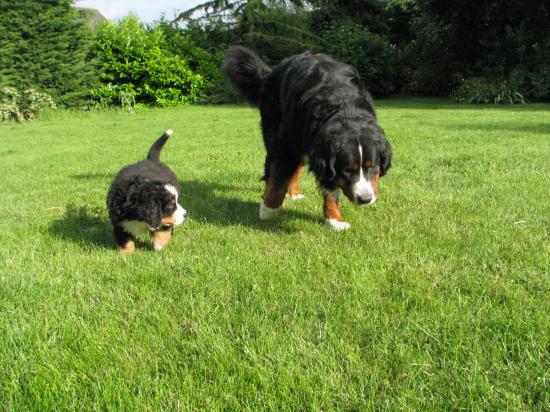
{"x": 154, "y": 151}
{"x": 246, "y": 71}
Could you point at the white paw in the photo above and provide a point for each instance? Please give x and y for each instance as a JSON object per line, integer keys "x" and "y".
{"x": 267, "y": 213}
{"x": 337, "y": 225}
{"x": 157, "y": 247}
{"x": 299, "y": 196}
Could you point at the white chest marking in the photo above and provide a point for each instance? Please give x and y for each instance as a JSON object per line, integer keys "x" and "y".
{"x": 135, "y": 227}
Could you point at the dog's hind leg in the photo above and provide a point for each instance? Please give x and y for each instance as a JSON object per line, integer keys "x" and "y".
{"x": 125, "y": 243}
{"x": 294, "y": 185}
{"x": 276, "y": 187}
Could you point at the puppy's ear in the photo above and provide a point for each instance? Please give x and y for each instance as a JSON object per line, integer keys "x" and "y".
{"x": 153, "y": 213}
{"x": 385, "y": 157}
{"x": 149, "y": 207}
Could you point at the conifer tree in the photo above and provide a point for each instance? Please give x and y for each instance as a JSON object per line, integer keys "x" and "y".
{"x": 43, "y": 45}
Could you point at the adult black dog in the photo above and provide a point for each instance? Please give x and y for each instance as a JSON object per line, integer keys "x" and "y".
{"x": 314, "y": 109}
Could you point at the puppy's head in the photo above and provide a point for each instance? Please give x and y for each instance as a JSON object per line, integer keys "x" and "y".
{"x": 158, "y": 204}
{"x": 353, "y": 159}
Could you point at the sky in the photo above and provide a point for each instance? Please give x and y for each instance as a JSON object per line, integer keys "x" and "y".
{"x": 147, "y": 11}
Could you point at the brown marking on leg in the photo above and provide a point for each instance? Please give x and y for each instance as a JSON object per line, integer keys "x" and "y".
{"x": 273, "y": 195}
{"x": 275, "y": 192}
{"x": 168, "y": 220}
{"x": 331, "y": 207}
{"x": 161, "y": 238}
{"x": 128, "y": 248}
{"x": 294, "y": 185}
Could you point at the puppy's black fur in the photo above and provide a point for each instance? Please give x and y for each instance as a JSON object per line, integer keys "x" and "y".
{"x": 312, "y": 107}
{"x": 139, "y": 194}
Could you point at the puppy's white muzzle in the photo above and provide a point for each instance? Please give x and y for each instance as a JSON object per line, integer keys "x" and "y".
{"x": 179, "y": 215}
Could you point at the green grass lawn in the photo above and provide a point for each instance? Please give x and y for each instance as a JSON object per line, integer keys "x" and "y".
{"x": 437, "y": 298}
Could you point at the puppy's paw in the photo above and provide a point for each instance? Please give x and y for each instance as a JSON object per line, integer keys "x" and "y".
{"x": 267, "y": 213}
{"x": 299, "y": 196}
{"x": 337, "y": 225}
{"x": 127, "y": 249}
{"x": 157, "y": 247}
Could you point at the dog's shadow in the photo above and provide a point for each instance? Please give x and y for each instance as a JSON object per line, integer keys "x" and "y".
{"x": 85, "y": 225}
{"x": 213, "y": 203}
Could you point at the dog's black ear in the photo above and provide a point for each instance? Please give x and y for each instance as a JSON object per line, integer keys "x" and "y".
{"x": 322, "y": 160}
{"x": 153, "y": 214}
{"x": 148, "y": 200}
{"x": 385, "y": 157}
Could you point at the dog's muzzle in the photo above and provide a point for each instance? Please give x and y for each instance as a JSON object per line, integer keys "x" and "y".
{"x": 179, "y": 215}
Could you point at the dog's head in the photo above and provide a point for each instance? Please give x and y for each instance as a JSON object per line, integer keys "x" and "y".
{"x": 157, "y": 204}
{"x": 352, "y": 156}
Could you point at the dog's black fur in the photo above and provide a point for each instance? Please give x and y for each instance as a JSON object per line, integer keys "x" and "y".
{"x": 312, "y": 107}
{"x": 138, "y": 193}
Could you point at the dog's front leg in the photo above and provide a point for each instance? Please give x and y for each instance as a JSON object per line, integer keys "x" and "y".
{"x": 161, "y": 237}
{"x": 331, "y": 210}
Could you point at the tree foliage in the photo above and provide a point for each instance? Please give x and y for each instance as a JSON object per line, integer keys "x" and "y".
{"x": 486, "y": 39}
{"x": 489, "y": 50}
{"x": 43, "y": 45}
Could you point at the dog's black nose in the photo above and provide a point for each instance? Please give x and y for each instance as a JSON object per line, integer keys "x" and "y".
{"x": 363, "y": 200}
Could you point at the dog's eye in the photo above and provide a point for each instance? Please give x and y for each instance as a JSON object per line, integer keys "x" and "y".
{"x": 349, "y": 170}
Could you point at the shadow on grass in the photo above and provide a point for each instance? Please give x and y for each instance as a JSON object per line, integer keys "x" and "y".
{"x": 85, "y": 225}
{"x": 207, "y": 201}
{"x": 204, "y": 201}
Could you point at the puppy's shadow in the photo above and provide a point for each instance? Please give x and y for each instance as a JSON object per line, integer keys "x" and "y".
{"x": 89, "y": 226}
{"x": 85, "y": 225}
{"x": 214, "y": 203}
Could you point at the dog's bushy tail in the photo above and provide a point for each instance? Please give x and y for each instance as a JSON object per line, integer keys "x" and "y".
{"x": 154, "y": 151}
{"x": 246, "y": 71}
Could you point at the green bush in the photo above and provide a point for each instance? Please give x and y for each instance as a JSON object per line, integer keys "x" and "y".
{"x": 44, "y": 45}
{"x": 483, "y": 91}
{"x": 203, "y": 46}
{"x": 134, "y": 60}
{"x": 372, "y": 54}
{"x": 22, "y": 105}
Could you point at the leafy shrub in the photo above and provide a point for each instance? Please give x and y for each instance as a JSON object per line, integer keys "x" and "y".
{"x": 203, "y": 46}
{"x": 22, "y": 105}
{"x": 372, "y": 54}
{"x": 483, "y": 91}
{"x": 135, "y": 61}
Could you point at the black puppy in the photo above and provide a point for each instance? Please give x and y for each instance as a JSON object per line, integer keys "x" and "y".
{"x": 144, "y": 198}
{"x": 314, "y": 109}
